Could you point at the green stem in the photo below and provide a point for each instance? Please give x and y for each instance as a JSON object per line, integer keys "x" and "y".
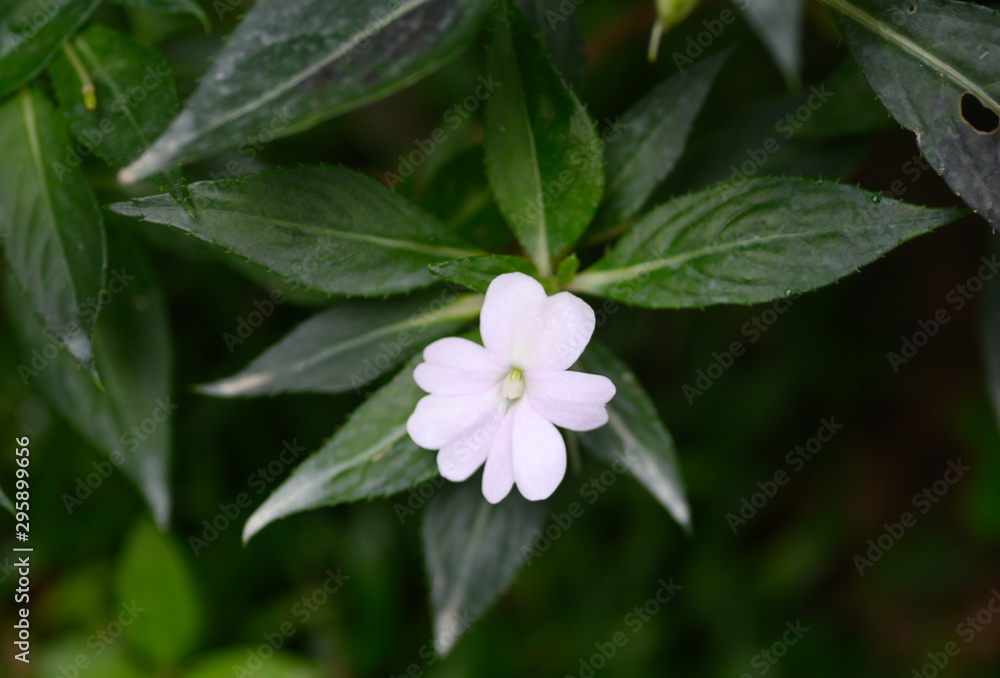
{"x": 86, "y": 84}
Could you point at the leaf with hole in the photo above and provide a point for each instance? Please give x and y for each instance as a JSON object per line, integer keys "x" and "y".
{"x": 635, "y": 439}
{"x": 934, "y": 65}
{"x": 370, "y": 456}
{"x": 50, "y": 225}
{"x": 755, "y": 241}
{"x": 329, "y": 229}
{"x": 347, "y": 347}
{"x": 293, "y": 63}
{"x": 544, "y": 158}
{"x": 473, "y": 549}
{"x": 136, "y": 98}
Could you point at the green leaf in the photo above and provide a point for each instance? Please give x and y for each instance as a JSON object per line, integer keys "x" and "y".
{"x": 989, "y": 332}
{"x": 158, "y": 595}
{"x": 5, "y": 501}
{"x": 543, "y": 155}
{"x": 130, "y": 419}
{"x": 327, "y": 228}
{"x": 778, "y": 23}
{"x": 136, "y": 99}
{"x": 370, "y": 456}
{"x": 31, "y": 31}
{"x": 477, "y": 273}
{"x": 51, "y": 228}
{"x": 934, "y": 66}
{"x": 652, "y": 137}
{"x": 225, "y": 663}
{"x": 759, "y": 240}
{"x": 558, "y": 28}
{"x": 473, "y": 550}
{"x": 635, "y": 436}
{"x": 347, "y": 347}
{"x": 171, "y": 6}
{"x": 292, "y": 63}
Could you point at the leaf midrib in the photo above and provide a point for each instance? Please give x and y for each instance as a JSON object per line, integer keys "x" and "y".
{"x": 589, "y": 281}
{"x": 386, "y": 243}
{"x": 878, "y": 27}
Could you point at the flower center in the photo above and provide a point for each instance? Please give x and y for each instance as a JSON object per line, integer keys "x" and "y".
{"x": 513, "y": 385}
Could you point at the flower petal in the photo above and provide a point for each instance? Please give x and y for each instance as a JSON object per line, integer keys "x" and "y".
{"x": 573, "y": 400}
{"x": 498, "y": 475}
{"x": 538, "y": 454}
{"x": 438, "y": 420}
{"x": 529, "y": 330}
{"x": 457, "y": 366}
{"x": 460, "y": 458}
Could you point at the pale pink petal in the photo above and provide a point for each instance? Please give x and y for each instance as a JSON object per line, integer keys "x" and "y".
{"x": 510, "y": 299}
{"x": 460, "y": 458}
{"x": 573, "y": 400}
{"x": 438, "y": 420}
{"x": 530, "y": 330}
{"x": 458, "y": 366}
{"x": 498, "y": 475}
{"x": 538, "y": 453}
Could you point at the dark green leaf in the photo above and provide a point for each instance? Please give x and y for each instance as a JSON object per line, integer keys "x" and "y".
{"x": 31, "y": 31}
{"x": 473, "y": 550}
{"x": 779, "y": 25}
{"x": 634, "y": 436}
{"x": 347, "y": 347}
{"x": 293, "y": 63}
{"x": 172, "y": 6}
{"x": 758, "y": 240}
{"x": 136, "y": 99}
{"x": 220, "y": 664}
{"x": 934, "y": 65}
{"x": 327, "y": 228}
{"x": 460, "y": 196}
{"x": 543, "y": 155}
{"x": 159, "y": 601}
{"x": 50, "y": 225}
{"x": 558, "y": 28}
{"x": 652, "y": 137}
{"x": 130, "y": 420}
{"x": 370, "y": 456}
{"x": 477, "y": 273}
{"x": 5, "y": 501}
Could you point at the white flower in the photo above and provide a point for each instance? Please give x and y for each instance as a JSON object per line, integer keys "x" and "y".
{"x": 500, "y": 403}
